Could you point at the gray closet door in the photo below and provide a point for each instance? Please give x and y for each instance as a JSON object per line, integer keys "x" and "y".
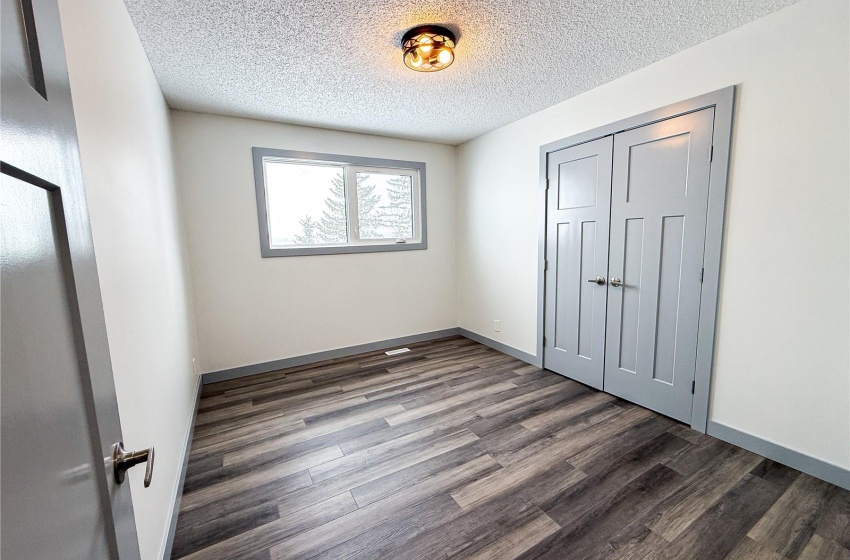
{"x": 59, "y": 413}
{"x": 658, "y": 215}
{"x": 577, "y": 260}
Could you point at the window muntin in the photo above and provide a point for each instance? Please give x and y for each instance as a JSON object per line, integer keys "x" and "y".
{"x": 338, "y": 204}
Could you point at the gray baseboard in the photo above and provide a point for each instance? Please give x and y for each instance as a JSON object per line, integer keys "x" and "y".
{"x": 816, "y": 467}
{"x": 187, "y": 448}
{"x": 501, "y": 347}
{"x": 265, "y": 367}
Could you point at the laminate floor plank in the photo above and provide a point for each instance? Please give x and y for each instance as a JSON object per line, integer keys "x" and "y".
{"x": 592, "y": 532}
{"x": 269, "y": 445}
{"x": 314, "y": 541}
{"x": 719, "y": 530}
{"x": 195, "y": 523}
{"x": 776, "y": 473}
{"x": 257, "y": 477}
{"x": 348, "y": 481}
{"x": 244, "y": 413}
{"x": 283, "y": 388}
{"x": 748, "y": 549}
{"x": 455, "y": 450}
{"x": 458, "y": 418}
{"x": 406, "y": 525}
{"x": 595, "y": 457}
{"x": 787, "y": 527}
{"x": 468, "y": 531}
{"x": 704, "y": 488}
{"x": 834, "y": 524}
{"x": 558, "y": 415}
{"x": 390, "y": 483}
{"x": 697, "y": 455}
{"x": 819, "y": 548}
{"x": 377, "y": 454}
{"x": 443, "y": 404}
{"x": 205, "y": 472}
{"x": 568, "y": 507}
{"x": 574, "y": 439}
{"x": 528, "y": 442}
{"x": 463, "y": 536}
{"x": 263, "y": 537}
{"x": 519, "y": 540}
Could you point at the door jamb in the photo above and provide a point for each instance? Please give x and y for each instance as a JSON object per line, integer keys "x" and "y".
{"x": 723, "y": 101}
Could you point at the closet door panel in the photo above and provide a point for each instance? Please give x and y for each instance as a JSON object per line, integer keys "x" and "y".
{"x": 578, "y": 206}
{"x": 659, "y": 197}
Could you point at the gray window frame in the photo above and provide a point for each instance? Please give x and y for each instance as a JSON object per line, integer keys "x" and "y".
{"x": 266, "y": 250}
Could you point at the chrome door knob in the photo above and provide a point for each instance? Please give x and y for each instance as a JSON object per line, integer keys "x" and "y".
{"x": 600, "y": 280}
{"x": 616, "y": 282}
{"x": 123, "y": 460}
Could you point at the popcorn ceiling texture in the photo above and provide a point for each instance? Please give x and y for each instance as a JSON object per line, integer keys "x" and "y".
{"x": 338, "y": 63}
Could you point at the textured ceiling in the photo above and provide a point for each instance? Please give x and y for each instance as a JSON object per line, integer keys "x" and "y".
{"x": 337, "y": 63}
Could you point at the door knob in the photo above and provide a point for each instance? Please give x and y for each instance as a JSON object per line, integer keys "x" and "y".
{"x": 616, "y": 282}
{"x": 598, "y": 280}
{"x": 123, "y": 460}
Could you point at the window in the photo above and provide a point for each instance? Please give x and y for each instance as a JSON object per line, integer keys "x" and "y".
{"x": 321, "y": 204}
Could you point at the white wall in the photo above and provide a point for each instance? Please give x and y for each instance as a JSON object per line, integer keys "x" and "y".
{"x": 252, "y": 310}
{"x": 781, "y": 370}
{"x": 123, "y": 128}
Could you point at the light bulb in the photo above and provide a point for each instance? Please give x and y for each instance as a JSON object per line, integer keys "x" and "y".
{"x": 445, "y": 56}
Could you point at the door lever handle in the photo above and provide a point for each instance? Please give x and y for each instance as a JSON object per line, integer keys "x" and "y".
{"x": 616, "y": 282}
{"x": 123, "y": 460}
{"x": 600, "y": 280}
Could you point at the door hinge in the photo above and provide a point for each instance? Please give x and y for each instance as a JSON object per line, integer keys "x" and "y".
{"x": 693, "y": 386}
{"x": 711, "y": 153}
{"x": 546, "y": 264}
{"x": 547, "y": 184}
{"x": 544, "y": 341}
{"x": 701, "y": 275}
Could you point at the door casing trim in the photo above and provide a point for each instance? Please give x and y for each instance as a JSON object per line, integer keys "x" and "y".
{"x": 723, "y": 101}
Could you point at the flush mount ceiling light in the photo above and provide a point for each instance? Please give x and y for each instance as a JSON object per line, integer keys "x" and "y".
{"x": 428, "y": 48}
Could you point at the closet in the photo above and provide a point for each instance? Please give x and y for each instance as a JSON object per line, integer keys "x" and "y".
{"x": 625, "y": 240}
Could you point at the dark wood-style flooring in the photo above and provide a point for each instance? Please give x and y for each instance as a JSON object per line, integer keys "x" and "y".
{"x": 455, "y": 450}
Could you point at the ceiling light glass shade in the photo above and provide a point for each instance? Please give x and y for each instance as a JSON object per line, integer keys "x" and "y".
{"x": 428, "y": 48}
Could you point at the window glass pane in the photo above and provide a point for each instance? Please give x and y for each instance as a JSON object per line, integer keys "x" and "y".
{"x": 385, "y": 206}
{"x": 306, "y": 204}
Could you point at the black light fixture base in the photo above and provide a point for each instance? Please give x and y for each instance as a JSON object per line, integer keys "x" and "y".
{"x": 435, "y": 29}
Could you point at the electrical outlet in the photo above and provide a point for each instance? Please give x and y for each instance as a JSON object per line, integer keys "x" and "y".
{"x": 497, "y": 325}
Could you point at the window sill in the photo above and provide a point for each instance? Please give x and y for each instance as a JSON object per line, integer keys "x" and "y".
{"x": 342, "y": 250}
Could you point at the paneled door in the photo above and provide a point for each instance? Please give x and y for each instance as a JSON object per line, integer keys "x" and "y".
{"x": 61, "y": 498}
{"x": 578, "y": 206}
{"x": 658, "y": 219}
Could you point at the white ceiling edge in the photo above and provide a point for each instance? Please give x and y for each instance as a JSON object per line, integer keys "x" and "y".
{"x": 336, "y": 64}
